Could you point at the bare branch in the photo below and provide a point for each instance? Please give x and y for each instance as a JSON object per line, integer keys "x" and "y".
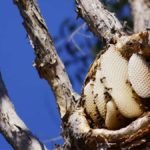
{"x": 13, "y": 128}
{"x": 47, "y": 62}
{"x": 78, "y": 132}
{"x": 141, "y": 14}
{"x": 80, "y": 129}
{"x": 101, "y": 22}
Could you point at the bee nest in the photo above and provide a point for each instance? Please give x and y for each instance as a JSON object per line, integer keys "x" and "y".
{"x": 115, "y": 88}
{"x": 139, "y": 75}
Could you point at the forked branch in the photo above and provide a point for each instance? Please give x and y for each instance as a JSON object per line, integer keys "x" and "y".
{"x": 77, "y": 132}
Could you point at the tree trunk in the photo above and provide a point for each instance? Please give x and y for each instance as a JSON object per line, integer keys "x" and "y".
{"x": 86, "y": 121}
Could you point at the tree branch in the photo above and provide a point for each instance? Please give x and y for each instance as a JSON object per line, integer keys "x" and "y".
{"x": 78, "y": 133}
{"x": 13, "y": 128}
{"x": 141, "y": 14}
{"x": 101, "y": 22}
{"x": 47, "y": 62}
{"x": 95, "y": 138}
{"x": 81, "y": 132}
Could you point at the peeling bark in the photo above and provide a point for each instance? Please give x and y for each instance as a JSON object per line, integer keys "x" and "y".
{"x": 141, "y": 14}
{"x": 77, "y": 130}
{"x": 13, "y": 128}
{"x": 47, "y": 62}
{"x": 102, "y": 23}
{"x": 128, "y": 137}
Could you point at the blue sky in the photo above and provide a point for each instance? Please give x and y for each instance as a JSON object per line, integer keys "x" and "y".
{"x": 31, "y": 96}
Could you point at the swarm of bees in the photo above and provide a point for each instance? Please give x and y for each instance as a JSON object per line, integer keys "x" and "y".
{"x": 115, "y": 89}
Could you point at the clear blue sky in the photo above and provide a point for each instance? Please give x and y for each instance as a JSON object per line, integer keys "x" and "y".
{"x": 30, "y": 95}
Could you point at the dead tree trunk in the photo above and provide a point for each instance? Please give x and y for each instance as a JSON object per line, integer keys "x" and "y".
{"x": 88, "y": 122}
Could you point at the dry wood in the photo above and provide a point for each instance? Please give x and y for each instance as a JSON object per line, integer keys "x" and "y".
{"x": 47, "y": 62}
{"x": 13, "y": 128}
{"x": 101, "y": 22}
{"x": 77, "y": 132}
{"x": 141, "y": 14}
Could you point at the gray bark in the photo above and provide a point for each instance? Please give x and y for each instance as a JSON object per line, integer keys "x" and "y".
{"x": 101, "y": 22}
{"x": 141, "y": 14}
{"x": 13, "y": 128}
{"x": 77, "y": 132}
{"x": 47, "y": 62}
